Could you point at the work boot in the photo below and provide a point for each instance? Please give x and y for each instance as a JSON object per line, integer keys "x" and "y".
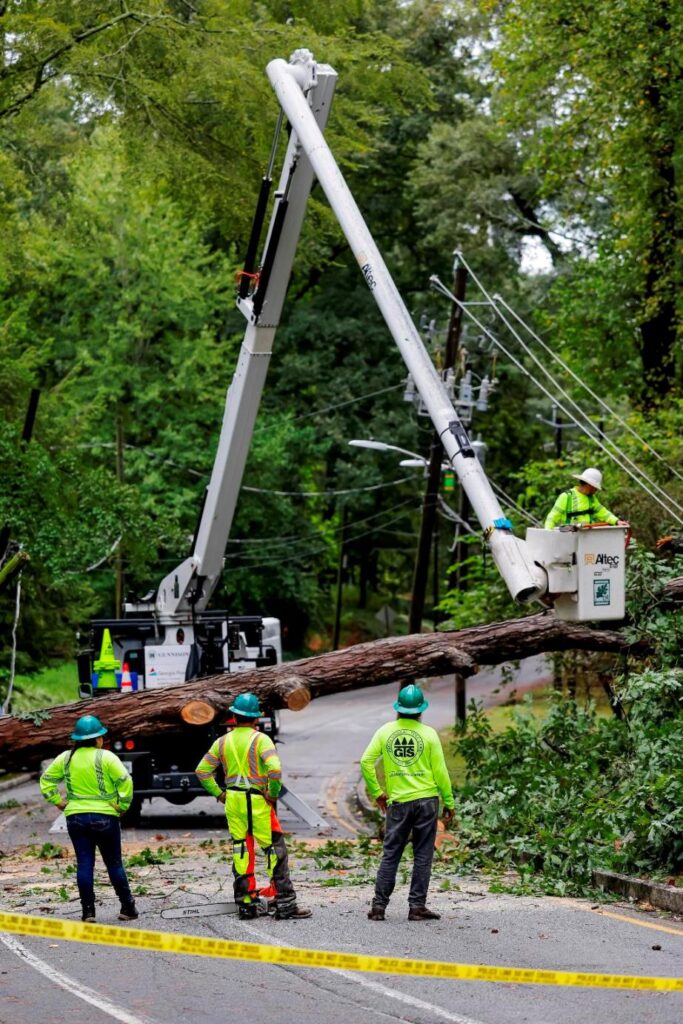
{"x": 290, "y": 912}
{"x": 128, "y": 912}
{"x": 376, "y": 913}
{"x": 423, "y": 914}
{"x": 247, "y": 911}
{"x": 88, "y": 912}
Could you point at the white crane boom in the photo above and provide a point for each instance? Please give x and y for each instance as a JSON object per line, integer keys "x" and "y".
{"x": 524, "y": 579}
{"x": 305, "y": 91}
{"x": 192, "y": 582}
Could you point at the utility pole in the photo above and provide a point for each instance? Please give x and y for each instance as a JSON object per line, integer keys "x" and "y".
{"x": 340, "y": 573}
{"x": 429, "y": 503}
{"x": 424, "y": 544}
{"x": 118, "y": 558}
{"x": 557, "y": 423}
{"x": 452, "y": 355}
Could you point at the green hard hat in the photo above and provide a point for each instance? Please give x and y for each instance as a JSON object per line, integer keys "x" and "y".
{"x": 87, "y": 728}
{"x": 246, "y": 705}
{"x": 411, "y": 701}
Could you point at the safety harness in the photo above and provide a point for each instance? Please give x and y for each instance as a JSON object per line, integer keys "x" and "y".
{"x": 244, "y": 781}
{"x": 574, "y": 514}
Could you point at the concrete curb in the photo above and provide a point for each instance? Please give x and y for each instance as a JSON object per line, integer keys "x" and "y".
{"x": 666, "y": 897}
{"x": 15, "y": 780}
{"x": 365, "y": 805}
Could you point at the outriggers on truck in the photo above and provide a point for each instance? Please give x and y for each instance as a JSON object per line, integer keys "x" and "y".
{"x": 171, "y": 636}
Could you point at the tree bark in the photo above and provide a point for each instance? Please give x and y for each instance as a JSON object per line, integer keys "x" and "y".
{"x": 673, "y": 591}
{"x": 26, "y": 740}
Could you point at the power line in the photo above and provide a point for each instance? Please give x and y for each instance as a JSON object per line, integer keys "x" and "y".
{"x": 496, "y": 341}
{"x": 514, "y": 504}
{"x": 494, "y": 306}
{"x": 329, "y": 494}
{"x": 98, "y": 563}
{"x": 339, "y": 405}
{"x": 453, "y": 516}
{"x": 5, "y": 707}
{"x": 271, "y": 542}
{"x": 253, "y": 490}
{"x": 357, "y": 522}
{"x": 634, "y": 433}
{"x": 306, "y": 554}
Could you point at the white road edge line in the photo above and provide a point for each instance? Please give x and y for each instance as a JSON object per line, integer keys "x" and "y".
{"x": 88, "y": 995}
{"x": 376, "y": 986}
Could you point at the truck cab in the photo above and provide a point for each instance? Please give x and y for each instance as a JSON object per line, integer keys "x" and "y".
{"x": 163, "y": 765}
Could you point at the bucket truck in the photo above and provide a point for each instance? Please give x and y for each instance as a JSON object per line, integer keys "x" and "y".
{"x": 171, "y": 636}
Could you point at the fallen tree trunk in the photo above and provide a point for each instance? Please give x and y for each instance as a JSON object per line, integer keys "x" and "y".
{"x": 26, "y": 740}
{"x": 673, "y": 591}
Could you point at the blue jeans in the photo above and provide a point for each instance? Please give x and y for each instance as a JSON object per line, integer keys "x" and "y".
{"x": 90, "y": 832}
{"x": 416, "y": 820}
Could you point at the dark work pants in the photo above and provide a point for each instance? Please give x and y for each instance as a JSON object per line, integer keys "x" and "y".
{"x": 281, "y": 876}
{"x": 416, "y": 819}
{"x": 244, "y": 885}
{"x": 90, "y": 832}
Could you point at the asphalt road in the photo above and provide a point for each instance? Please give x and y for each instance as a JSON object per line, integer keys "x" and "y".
{"x": 52, "y": 982}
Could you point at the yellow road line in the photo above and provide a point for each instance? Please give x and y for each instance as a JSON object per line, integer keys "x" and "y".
{"x": 332, "y": 807}
{"x": 635, "y": 920}
{"x": 197, "y": 945}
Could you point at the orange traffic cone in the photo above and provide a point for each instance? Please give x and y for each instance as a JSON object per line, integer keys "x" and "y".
{"x": 126, "y": 679}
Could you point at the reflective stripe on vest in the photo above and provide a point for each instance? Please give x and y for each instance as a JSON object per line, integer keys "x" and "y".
{"x": 99, "y": 776}
{"x": 247, "y": 771}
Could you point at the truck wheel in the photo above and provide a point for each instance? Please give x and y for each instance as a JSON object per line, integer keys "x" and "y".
{"x": 131, "y": 819}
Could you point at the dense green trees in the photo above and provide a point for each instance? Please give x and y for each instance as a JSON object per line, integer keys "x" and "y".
{"x": 594, "y": 92}
{"x": 543, "y": 142}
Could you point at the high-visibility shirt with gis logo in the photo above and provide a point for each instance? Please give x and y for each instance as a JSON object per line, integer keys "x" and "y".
{"x": 413, "y": 762}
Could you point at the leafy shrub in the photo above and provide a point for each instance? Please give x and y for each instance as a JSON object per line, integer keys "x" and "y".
{"x": 575, "y": 792}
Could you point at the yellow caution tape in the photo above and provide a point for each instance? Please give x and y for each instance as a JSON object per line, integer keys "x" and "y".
{"x": 195, "y": 945}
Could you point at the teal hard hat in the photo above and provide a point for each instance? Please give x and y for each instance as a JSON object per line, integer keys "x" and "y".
{"x": 87, "y": 728}
{"x": 246, "y": 705}
{"x": 411, "y": 701}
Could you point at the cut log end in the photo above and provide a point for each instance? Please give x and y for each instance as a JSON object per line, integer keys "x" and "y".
{"x": 298, "y": 699}
{"x": 294, "y": 692}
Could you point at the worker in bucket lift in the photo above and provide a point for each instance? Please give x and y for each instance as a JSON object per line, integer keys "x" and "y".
{"x": 252, "y": 773}
{"x": 98, "y": 791}
{"x": 579, "y": 505}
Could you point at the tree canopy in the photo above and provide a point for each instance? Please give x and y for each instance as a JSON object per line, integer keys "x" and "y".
{"x": 541, "y": 140}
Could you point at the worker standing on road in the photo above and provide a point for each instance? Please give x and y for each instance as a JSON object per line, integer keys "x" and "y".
{"x": 98, "y": 791}
{"x": 252, "y": 774}
{"x": 579, "y": 505}
{"x": 415, "y": 776}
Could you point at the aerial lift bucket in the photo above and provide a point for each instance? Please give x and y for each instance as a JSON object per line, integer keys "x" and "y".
{"x": 585, "y": 565}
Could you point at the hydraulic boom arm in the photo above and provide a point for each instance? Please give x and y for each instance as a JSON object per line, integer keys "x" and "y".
{"x": 192, "y": 582}
{"x": 305, "y": 91}
{"x": 523, "y": 577}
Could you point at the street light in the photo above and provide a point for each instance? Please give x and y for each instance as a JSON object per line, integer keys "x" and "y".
{"x": 382, "y": 446}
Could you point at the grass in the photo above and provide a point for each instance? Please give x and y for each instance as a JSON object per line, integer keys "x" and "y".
{"x": 501, "y": 716}
{"x": 55, "y": 685}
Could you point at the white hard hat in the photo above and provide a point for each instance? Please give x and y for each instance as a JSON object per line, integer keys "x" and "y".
{"x": 591, "y": 476}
